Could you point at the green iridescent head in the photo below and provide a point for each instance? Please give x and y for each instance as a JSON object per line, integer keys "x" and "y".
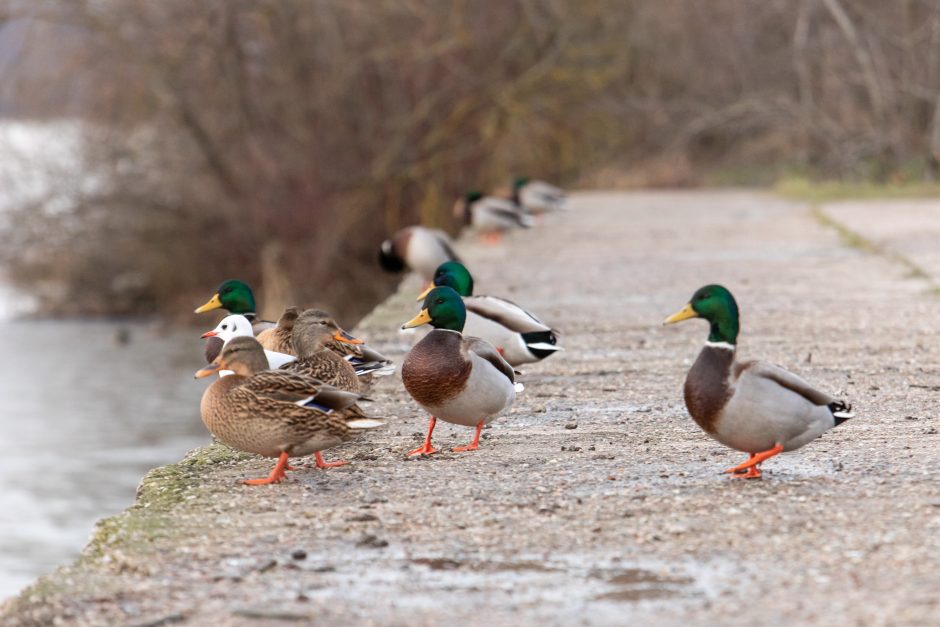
{"x": 443, "y": 308}
{"x": 716, "y": 304}
{"x": 234, "y": 296}
{"x": 520, "y": 182}
{"x": 454, "y": 275}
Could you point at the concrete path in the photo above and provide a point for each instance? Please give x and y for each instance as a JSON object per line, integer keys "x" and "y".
{"x": 596, "y": 500}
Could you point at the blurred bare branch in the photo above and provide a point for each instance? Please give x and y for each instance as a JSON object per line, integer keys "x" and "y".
{"x": 222, "y": 130}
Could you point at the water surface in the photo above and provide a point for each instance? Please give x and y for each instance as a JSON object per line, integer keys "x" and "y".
{"x": 82, "y": 418}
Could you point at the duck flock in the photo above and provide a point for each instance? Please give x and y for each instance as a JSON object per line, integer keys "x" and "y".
{"x": 293, "y": 388}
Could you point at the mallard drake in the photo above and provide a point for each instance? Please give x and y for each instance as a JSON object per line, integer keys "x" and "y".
{"x": 751, "y": 406}
{"x": 418, "y": 249}
{"x": 236, "y": 297}
{"x": 518, "y": 335}
{"x": 238, "y": 326}
{"x": 366, "y": 361}
{"x": 278, "y": 337}
{"x": 457, "y": 379}
{"x": 275, "y": 413}
{"x": 491, "y": 216}
{"x": 538, "y": 196}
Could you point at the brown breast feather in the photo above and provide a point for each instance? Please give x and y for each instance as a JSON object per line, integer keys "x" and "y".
{"x": 707, "y": 386}
{"x": 436, "y": 369}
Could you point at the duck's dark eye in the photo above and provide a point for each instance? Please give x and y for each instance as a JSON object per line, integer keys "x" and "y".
{"x": 439, "y": 301}
{"x": 224, "y": 327}
{"x": 704, "y": 296}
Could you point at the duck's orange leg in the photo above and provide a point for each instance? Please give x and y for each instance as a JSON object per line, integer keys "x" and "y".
{"x": 473, "y": 445}
{"x": 492, "y": 238}
{"x": 753, "y": 461}
{"x": 277, "y": 475}
{"x": 322, "y": 464}
{"x": 426, "y": 448}
{"x": 751, "y": 473}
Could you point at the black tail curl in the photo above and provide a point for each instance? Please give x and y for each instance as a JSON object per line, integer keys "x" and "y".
{"x": 841, "y": 411}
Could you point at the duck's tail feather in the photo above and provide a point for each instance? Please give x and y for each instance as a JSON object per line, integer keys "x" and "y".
{"x": 541, "y": 343}
{"x": 365, "y": 423}
{"x": 841, "y": 411}
{"x": 375, "y": 368}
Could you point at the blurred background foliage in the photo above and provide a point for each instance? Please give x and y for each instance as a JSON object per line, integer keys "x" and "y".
{"x": 279, "y": 141}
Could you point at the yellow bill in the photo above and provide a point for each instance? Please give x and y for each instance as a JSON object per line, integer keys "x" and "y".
{"x": 214, "y": 303}
{"x": 425, "y": 292}
{"x": 422, "y": 318}
{"x": 684, "y": 314}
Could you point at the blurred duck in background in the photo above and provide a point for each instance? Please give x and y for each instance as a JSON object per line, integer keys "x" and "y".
{"x": 490, "y": 216}
{"x": 417, "y": 249}
{"x": 538, "y": 196}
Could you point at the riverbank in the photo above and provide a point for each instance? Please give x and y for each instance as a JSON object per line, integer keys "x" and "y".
{"x": 596, "y": 500}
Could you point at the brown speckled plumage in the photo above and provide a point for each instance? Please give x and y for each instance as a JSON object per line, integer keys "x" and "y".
{"x": 708, "y": 386}
{"x": 328, "y": 367}
{"x": 315, "y": 330}
{"x": 431, "y": 373}
{"x": 343, "y": 349}
{"x": 278, "y": 339}
{"x": 258, "y": 411}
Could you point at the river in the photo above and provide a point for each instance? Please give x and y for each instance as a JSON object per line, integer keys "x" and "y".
{"x": 83, "y": 418}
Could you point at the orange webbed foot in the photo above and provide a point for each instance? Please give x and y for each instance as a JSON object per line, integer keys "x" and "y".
{"x": 426, "y": 448}
{"x": 322, "y": 464}
{"x": 463, "y": 449}
{"x": 751, "y": 473}
{"x": 475, "y": 444}
{"x": 278, "y": 473}
{"x": 753, "y": 461}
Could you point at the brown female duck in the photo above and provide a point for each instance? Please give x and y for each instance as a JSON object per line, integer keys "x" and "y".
{"x": 275, "y": 413}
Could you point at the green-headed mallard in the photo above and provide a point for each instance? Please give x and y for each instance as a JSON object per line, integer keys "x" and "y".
{"x": 751, "y": 406}
{"x": 462, "y": 380}
{"x": 273, "y": 412}
{"x": 418, "y": 249}
{"x": 237, "y": 325}
{"x": 490, "y": 216}
{"x": 236, "y": 297}
{"x": 519, "y": 336}
{"x": 538, "y": 196}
